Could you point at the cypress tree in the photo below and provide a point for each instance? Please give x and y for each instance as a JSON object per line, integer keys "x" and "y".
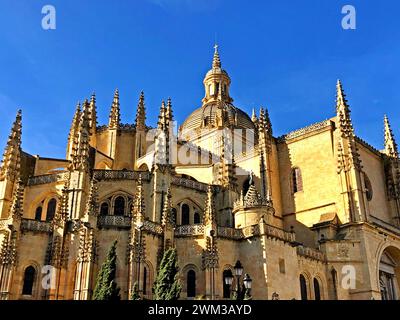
{"x": 135, "y": 294}
{"x": 106, "y": 288}
{"x": 167, "y": 286}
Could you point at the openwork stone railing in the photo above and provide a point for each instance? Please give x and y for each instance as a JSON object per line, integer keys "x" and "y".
{"x": 114, "y": 221}
{"x": 119, "y": 175}
{"x": 303, "y": 131}
{"x": 47, "y": 178}
{"x": 255, "y": 230}
{"x": 189, "y": 230}
{"x": 186, "y": 183}
{"x": 311, "y": 253}
{"x": 230, "y": 233}
{"x": 278, "y": 233}
{"x": 36, "y": 226}
{"x": 152, "y": 227}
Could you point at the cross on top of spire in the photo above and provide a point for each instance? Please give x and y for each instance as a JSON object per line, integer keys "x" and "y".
{"x": 216, "y": 60}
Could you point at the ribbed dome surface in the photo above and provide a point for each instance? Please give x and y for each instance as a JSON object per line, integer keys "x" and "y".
{"x": 205, "y": 117}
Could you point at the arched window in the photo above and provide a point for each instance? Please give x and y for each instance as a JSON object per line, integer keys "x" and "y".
{"x": 226, "y": 287}
{"x": 317, "y": 291}
{"x": 191, "y": 284}
{"x": 303, "y": 288}
{"x": 196, "y": 218}
{"x": 145, "y": 281}
{"x": 297, "y": 180}
{"x": 38, "y": 213}
{"x": 29, "y": 279}
{"x": 51, "y": 209}
{"x": 368, "y": 188}
{"x": 174, "y": 216}
{"x": 104, "y": 209}
{"x": 119, "y": 206}
{"x": 334, "y": 283}
{"x": 185, "y": 214}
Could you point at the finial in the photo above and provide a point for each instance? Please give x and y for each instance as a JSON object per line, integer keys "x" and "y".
{"x": 216, "y": 59}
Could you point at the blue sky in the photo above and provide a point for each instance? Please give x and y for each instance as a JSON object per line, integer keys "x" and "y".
{"x": 285, "y": 55}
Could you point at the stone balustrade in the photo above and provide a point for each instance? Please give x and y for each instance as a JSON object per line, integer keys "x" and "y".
{"x": 230, "y": 233}
{"x": 152, "y": 227}
{"x": 110, "y": 221}
{"x": 100, "y": 175}
{"x": 190, "y": 184}
{"x": 311, "y": 253}
{"x": 47, "y": 178}
{"x": 190, "y": 230}
{"x": 36, "y": 226}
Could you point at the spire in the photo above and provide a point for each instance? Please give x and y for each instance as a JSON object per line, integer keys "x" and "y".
{"x": 62, "y": 209}
{"x": 162, "y": 123}
{"x": 93, "y": 114}
{"x": 12, "y": 153}
{"x": 17, "y": 207}
{"x": 115, "y": 117}
{"x": 343, "y": 112}
{"x": 138, "y": 209}
{"x": 210, "y": 211}
{"x": 141, "y": 113}
{"x": 267, "y": 123}
{"x": 74, "y": 129}
{"x": 216, "y": 60}
{"x": 168, "y": 114}
{"x": 80, "y": 148}
{"x": 254, "y": 116}
{"x": 92, "y": 205}
{"x": 390, "y": 142}
{"x": 167, "y": 219}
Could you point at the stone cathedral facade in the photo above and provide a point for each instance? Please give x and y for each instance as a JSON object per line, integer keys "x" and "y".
{"x": 313, "y": 214}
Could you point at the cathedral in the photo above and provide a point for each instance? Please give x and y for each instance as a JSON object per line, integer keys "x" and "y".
{"x": 313, "y": 214}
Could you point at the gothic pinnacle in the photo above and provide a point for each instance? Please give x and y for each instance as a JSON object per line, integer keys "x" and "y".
{"x": 115, "y": 117}
{"x": 343, "y": 112}
{"x": 167, "y": 219}
{"x": 93, "y": 114}
{"x": 12, "y": 153}
{"x": 390, "y": 142}
{"x": 141, "y": 113}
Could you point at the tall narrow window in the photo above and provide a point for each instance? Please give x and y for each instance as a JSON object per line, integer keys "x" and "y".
{"x": 334, "y": 283}
{"x": 368, "y": 188}
{"x": 191, "y": 284}
{"x": 174, "y": 215}
{"x": 297, "y": 180}
{"x": 303, "y": 288}
{"x": 145, "y": 281}
{"x": 226, "y": 287}
{"x": 104, "y": 209}
{"x": 196, "y": 218}
{"x": 185, "y": 214}
{"x": 38, "y": 213}
{"x": 317, "y": 291}
{"x": 29, "y": 279}
{"x": 51, "y": 209}
{"x": 119, "y": 206}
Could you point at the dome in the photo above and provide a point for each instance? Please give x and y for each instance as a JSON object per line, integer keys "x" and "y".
{"x": 217, "y": 114}
{"x": 217, "y": 110}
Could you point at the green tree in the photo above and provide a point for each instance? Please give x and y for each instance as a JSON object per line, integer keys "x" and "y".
{"x": 167, "y": 286}
{"x": 135, "y": 292}
{"x": 106, "y": 288}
